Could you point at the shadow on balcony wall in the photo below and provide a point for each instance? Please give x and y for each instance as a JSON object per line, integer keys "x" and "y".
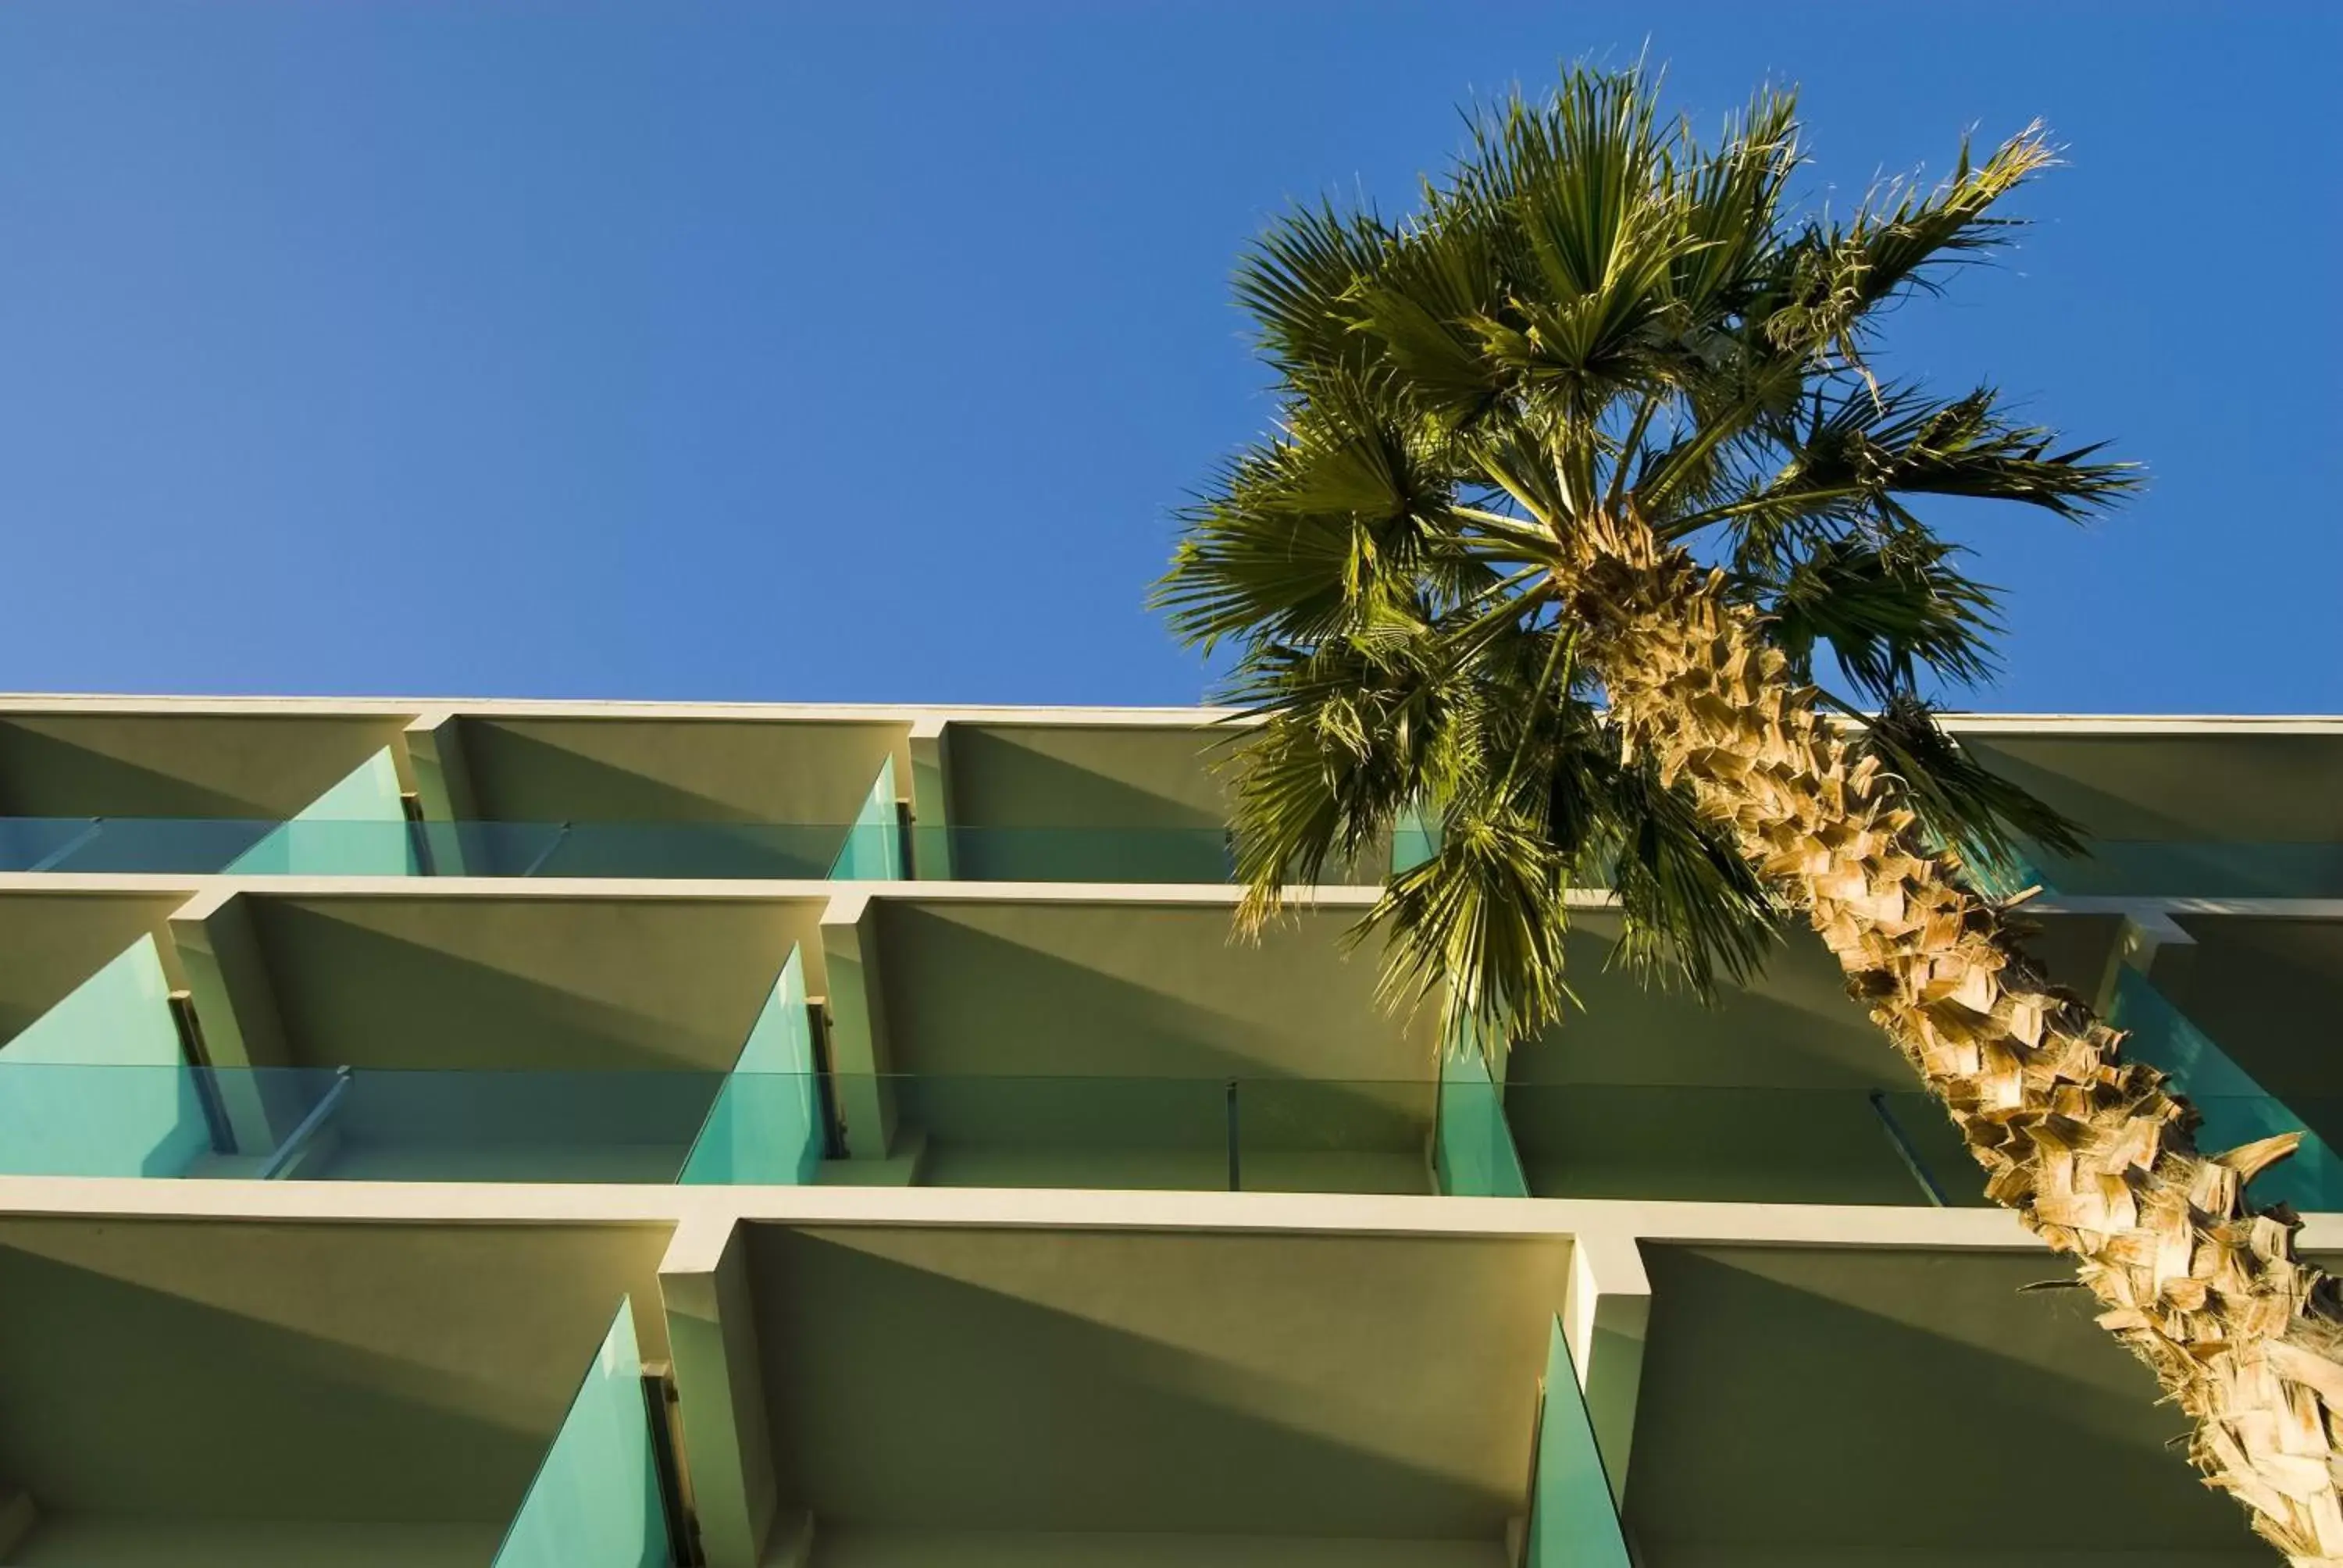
{"x": 799, "y": 783}
{"x": 221, "y": 1392}
{"x": 523, "y": 983}
{"x": 1088, "y": 803}
{"x": 259, "y": 768}
{"x": 1771, "y": 1374}
{"x": 928, "y": 1388}
{"x": 51, "y": 943}
{"x": 1092, "y": 1044}
{"x": 2235, "y": 786}
{"x": 1767, "y": 1095}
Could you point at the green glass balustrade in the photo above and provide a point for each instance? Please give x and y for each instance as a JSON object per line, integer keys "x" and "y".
{"x": 1474, "y": 1154}
{"x": 777, "y": 851}
{"x": 1574, "y": 1522}
{"x": 119, "y": 1020}
{"x": 64, "y": 1118}
{"x": 1460, "y": 1135}
{"x": 744, "y": 1127}
{"x": 172, "y": 846}
{"x": 1415, "y": 838}
{"x": 61, "y": 1119}
{"x": 596, "y": 1500}
{"x": 872, "y": 848}
{"x": 350, "y": 830}
{"x": 767, "y": 1124}
{"x": 1739, "y": 1143}
{"x": 1087, "y": 854}
{"x": 2234, "y": 1107}
{"x": 1101, "y": 1130}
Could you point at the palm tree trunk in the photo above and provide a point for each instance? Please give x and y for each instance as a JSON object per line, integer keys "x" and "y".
{"x": 2095, "y": 1154}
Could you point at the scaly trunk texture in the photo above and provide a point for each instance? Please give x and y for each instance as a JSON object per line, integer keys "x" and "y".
{"x": 2095, "y": 1154}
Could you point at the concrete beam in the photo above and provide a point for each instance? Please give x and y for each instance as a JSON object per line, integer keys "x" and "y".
{"x": 442, "y": 778}
{"x": 433, "y": 766}
{"x": 860, "y": 1058}
{"x": 217, "y": 957}
{"x": 931, "y": 813}
{"x": 1607, "y": 1315}
{"x": 719, "y": 1380}
{"x": 227, "y": 974}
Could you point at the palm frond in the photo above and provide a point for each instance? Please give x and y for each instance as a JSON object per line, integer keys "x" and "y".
{"x": 1835, "y": 277}
{"x": 1965, "y": 806}
{"x": 1594, "y": 313}
{"x": 1295, "y": 279}
{"x": 1887, "y": 613}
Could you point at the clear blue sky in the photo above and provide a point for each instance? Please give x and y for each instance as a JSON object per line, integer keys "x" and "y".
{"x": 857, "y": 353}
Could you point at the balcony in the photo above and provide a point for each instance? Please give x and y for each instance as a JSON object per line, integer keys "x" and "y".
{"x": 996, "y": 1396}
{"x": 181, "y": 794}
{"x": 1859, "y": 1405}
{"x": 217, "y": 1393}
{"x": 396, "y": 1038}
{"x": 1067, "y": 1043}
{"x": 2233, "y": 813}
{"x": 2240, "y": 1009}
{"x": 933, "y": 1041}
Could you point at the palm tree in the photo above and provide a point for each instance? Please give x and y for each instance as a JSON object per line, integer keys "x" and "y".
{"x": 1576, "y": 470}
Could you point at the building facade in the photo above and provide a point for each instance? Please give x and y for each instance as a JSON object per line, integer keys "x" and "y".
{"x": 568, "y": 1135}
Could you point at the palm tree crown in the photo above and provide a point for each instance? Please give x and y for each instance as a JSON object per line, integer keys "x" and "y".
{"x": 1595, "y": 319}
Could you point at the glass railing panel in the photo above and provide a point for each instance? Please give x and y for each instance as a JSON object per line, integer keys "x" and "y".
{"x": 1134, "y": 854}
{"x": 1314, "y": 1135}
{"x": 39, "y": 843}
{"x": 764, "y": 1130}
{"x": 499, "y": 1126}
{"x": 1003, "y": 1130}
{"x": 1265, "y": 1134}
{"x": 1041, "y": 854}
{"x": 1415, "y": 838}
{"x": 484, "y": 848}
{"x": 318, "y": 848}
{"x": 780, "y": 851}
{"x": 166, "y": 846}
{"x": 1574, "y": 1521}
{"x": 2182, "y": 868}
{"x": 2234, "y": 1107}
{"x": 359, "y": 830}
{"x": 330, "y": 1124}
{"x": 307, "y": 847}
{"x": 1258, "y": 1134}
{"x": 1474, "y": 1155}
{"x": 595, "y": 1500}
{"x": 873, "y": 850}
{"x": 767, "y": 1124}
{"x": 61, "y": 1119}
{"x": 1698, "y": 1143}
{"x": 978, "y": 1130}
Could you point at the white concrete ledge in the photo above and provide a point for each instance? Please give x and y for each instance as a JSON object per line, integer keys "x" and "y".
{"x": 1016, "y": 713}
{"x": 448, "y": 1202}
{"x": 641, "y": 889}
